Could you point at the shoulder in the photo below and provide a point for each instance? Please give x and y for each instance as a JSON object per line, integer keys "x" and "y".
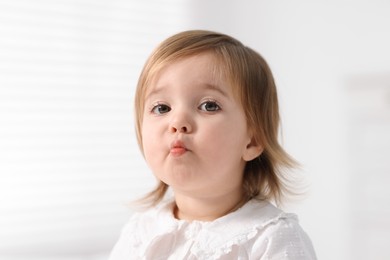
{"x": 149, "y": 223}
{"x": 259, "y": 230}
{"x": 280, "y": 236}
{"x": 140, "y": 229}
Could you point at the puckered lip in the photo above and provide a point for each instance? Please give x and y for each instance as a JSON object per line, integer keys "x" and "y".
{"x": 178, "y": 148}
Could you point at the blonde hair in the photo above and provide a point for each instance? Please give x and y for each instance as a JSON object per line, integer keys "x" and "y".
{"x": 253, "y": 84}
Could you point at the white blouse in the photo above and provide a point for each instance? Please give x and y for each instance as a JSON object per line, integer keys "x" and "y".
{"x": 258, "y": 230}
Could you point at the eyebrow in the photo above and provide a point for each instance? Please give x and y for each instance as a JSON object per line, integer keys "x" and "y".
{"x": 153, "y": 92}
{"x": 206, "y": 86}
{"x": 216, "y": 88}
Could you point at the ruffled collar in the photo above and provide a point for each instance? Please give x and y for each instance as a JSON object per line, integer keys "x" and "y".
{"x": 214, "y": 238}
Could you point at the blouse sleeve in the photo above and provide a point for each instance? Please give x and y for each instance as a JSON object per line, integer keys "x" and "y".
{"x": 284, "y": 239}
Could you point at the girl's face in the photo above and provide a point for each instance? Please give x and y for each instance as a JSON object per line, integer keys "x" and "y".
{"x": 194, "y": 131}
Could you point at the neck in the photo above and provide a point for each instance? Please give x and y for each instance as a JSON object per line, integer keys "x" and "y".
{"x": 207, "y": 209}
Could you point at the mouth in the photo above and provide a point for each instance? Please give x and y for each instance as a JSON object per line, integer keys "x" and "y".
{"x": 178, "y": 148}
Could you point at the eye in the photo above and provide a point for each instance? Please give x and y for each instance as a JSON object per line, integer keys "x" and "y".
{"x": 209, "y": 106}
{"x": 160, "y": 109}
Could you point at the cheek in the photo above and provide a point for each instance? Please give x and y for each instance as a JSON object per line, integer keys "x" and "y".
{"x": 227, "y": 138}
{"x": 148, "y": 139}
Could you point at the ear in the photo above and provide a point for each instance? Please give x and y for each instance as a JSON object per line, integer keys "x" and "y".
{"x": 252, "y": 150}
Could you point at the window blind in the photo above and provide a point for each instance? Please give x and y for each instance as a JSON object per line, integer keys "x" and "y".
{"x": 69, "y": 161}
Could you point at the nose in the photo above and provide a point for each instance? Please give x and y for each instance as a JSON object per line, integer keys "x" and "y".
{"x": 180, "y": 127}
{"x": 181, "y": 123}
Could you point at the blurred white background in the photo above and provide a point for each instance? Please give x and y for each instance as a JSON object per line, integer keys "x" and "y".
{"x": 69, "y": 162}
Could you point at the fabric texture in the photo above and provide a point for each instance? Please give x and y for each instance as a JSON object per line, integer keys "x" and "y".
{"x": 258, "y": 230}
